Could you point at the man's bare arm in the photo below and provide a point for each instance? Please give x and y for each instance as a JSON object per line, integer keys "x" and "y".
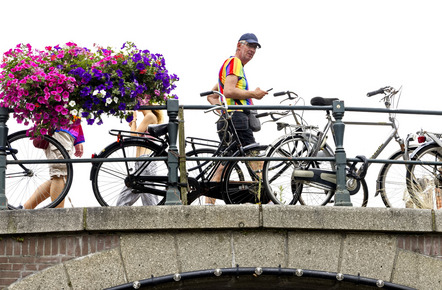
{"x": 232, "y": 92}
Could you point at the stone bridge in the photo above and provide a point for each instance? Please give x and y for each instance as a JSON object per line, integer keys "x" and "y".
{"x": 177, "y": 246}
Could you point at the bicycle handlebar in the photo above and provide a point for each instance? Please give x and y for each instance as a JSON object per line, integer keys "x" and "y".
{"x": 273, "y": 115}
{"x": 377, "y": 92}
{"x": 260, "y": 115}
{"x": 223, "y": 106}
{"x": 288, "y": 93}
{"x": 279, "y": 94}
{"x": 206, "y": 93}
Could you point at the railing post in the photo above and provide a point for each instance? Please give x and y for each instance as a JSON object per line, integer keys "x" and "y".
{"x": 182, "y": 159}
{"x": 342, "y": 196}
{"x": 173, "y": 194}
{"x": 4, "y": 116}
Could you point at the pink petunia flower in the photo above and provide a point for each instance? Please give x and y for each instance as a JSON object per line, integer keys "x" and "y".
{"x": 30, "y": 106}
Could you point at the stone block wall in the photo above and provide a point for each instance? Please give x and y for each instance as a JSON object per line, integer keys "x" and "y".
{"x": 95, "y": 248}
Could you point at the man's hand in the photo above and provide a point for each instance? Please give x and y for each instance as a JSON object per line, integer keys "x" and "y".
{"x": 79, "y": 150}
{"x": 259, "y": 94}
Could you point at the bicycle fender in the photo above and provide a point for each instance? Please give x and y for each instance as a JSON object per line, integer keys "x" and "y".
{"x": 283, "y": 137}
{"x": 16, "y": 133}
{"x": 413, "y": 154}
{"x": 248, "y": 147}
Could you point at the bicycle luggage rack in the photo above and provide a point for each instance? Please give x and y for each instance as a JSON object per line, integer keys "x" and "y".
{"x": 130, "y": 134}
{"x": 202, "y": 142}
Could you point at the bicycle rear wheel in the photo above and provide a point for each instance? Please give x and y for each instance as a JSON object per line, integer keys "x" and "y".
{"x": 392, "y": 181}
{"x": 199, "y": 169}
{"x": 424, "y": 181}
{"x": 121, "y": 183}
{"x": 22, "y": 180}
{"x": 242, "y": 180}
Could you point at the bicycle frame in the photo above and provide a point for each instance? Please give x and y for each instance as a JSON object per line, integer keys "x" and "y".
{"x": 318, "y": 138}
{"x": 232, "y": 149}
{"x": 404, "y": 145}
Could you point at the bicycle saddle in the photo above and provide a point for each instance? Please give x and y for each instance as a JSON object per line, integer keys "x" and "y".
{"x": 319, "y": 101}
{"x": 157, "y": 130}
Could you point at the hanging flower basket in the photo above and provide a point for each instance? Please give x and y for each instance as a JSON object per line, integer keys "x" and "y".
{"x": 57, "y": 86}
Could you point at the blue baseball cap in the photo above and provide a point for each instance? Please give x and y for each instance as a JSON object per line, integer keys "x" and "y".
{"x": 250, "y": 38}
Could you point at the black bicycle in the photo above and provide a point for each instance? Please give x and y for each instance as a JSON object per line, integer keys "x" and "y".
{"x": 28, "y": 170}
{"x": 138, "y": 169}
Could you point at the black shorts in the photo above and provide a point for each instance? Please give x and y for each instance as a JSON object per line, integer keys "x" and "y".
{"x": 241, "y": 122}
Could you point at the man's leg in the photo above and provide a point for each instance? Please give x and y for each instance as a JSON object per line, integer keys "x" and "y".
{"x": 216, "y": 178}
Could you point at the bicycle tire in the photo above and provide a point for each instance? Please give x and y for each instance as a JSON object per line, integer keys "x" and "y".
{"x": 241, "y": 183}
{"x": 22, "y": 180}
{"x": 424, "y": 181}
{"x": 354, "y": 187}
{"x": 391, "y": 182}
{"x": 114, "y": 183}
{"x": 278, "y": 175}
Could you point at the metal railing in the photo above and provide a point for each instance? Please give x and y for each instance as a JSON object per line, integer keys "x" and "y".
{"x": 342, "y": 196}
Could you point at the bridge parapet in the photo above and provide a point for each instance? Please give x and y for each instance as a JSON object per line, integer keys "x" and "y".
{"x": 102, "y": 247}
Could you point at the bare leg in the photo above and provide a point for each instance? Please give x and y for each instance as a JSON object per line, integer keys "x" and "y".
{"x": 56, "y": 188}
{"x": 438, "y": 198}
{"x": 257, "y": 167}
{"x": 216, "y": 178}
{"x": 41, "y": 193}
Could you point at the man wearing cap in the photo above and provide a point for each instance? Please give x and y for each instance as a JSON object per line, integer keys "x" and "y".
{"x": 233, "y": 84}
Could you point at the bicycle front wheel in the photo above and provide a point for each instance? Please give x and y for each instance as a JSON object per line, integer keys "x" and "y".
{"x": 242, "y": 180}
{"x": 32, "y": 182}
{"x": 278, "y": 175}
{"x": 130, "y": 183}
{"x": 424, "y": 181}
{"x": 392, "y": 181}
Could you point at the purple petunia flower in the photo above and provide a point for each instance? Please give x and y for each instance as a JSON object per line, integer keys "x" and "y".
{"x": 140, "y": 66}
{"x": 136, "y": 57}
{"x": 122, "y": 106}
